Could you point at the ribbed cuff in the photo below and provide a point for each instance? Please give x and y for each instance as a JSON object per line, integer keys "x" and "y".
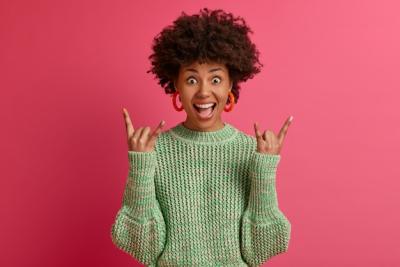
{"x": 263, "y": 200}
{"x": 142, "y": 162}
{"x": 264, "y": 166}
{"x": 139, "y": 196}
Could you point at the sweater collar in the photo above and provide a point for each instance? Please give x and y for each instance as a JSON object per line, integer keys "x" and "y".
{"x": 224, "y": 134}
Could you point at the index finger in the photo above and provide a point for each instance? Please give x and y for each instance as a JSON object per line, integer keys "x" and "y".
{"x": 128, "y": 123}
{"x": 284, "y": 129}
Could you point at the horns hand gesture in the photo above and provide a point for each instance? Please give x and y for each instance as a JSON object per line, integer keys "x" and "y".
{"x": 141, "y": 140}
{"x": 268, "y": 142}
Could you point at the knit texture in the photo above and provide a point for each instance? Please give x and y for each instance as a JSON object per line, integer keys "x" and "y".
{"x": 201, "y": 199}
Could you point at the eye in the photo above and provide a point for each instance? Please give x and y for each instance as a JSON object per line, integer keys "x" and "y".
{"x": 191, "y": 79}
{"x": 216, "y": 78}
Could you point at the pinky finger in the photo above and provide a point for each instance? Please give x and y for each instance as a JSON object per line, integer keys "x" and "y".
{"x": 257, "y": 131}
{"x": 157, "y": 131}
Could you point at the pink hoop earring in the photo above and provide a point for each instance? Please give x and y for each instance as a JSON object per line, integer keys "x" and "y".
{"x": 232, "y": 103}
{"x": 174, "y": 102}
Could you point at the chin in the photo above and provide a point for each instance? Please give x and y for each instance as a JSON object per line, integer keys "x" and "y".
{"x": 205, "y": 124}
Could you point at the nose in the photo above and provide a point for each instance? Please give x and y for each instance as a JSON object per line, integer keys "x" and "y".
{"x": 204, "y": 91}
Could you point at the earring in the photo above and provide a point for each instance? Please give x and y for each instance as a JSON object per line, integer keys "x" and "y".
{"x": 232, "y": 102}
{"x": 174, "y": 102}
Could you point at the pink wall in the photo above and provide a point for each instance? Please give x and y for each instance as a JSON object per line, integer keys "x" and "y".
{"x": 67, "y": 68}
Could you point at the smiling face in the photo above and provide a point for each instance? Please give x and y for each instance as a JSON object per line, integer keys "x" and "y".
{"x": 203, "y": 90}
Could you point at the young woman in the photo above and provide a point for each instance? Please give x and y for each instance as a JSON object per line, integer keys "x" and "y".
{"x": 202, "y": 193}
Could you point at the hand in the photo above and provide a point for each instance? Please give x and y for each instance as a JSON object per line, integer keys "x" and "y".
{"x": 268, "y": 142}
{"x": 141, "y": 140}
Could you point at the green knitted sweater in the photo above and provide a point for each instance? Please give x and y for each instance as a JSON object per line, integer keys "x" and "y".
{"x": 201, "y": 199}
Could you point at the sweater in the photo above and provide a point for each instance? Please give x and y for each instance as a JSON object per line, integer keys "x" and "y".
{"x": 201, "y": 199}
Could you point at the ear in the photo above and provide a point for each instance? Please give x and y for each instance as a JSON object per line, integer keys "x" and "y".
{"x": 176, "y": 90}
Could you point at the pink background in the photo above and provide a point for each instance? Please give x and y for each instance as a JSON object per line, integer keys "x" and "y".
{"x": 68, "y": 67}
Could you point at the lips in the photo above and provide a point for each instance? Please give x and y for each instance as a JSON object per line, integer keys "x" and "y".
{"x": 205, "y": 113}
{"x": 198, "y": 108}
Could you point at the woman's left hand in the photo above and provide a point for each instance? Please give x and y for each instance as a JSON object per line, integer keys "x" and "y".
{"x": 268, "y": 142}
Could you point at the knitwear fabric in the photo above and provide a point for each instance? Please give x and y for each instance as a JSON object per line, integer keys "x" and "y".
{"x": 201, "y": 199}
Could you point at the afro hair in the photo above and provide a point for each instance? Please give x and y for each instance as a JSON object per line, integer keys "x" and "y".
{"x": 211, "y": 35}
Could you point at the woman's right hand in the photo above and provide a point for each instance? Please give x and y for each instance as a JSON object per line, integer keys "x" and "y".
{"x": 141, "y": 140}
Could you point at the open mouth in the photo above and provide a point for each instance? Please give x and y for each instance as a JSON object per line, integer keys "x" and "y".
{"x": 205, "y": 113}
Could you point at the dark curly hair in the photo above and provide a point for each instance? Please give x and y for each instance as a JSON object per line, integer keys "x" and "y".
{"x": 212, "y": 35}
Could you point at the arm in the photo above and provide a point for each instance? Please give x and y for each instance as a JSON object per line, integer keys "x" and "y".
{"x": 139, "y": 227}
{"x": 265, "y": 229}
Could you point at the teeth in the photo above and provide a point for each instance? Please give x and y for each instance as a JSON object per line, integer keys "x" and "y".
{"x": 204, "y": 105}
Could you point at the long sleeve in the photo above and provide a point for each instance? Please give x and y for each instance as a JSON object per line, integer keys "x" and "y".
{"x": 265, "y": 229}
{"x": 139, "y": 228}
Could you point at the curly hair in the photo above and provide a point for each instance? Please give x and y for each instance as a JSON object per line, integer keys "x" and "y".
{"x": 212, "y": 35}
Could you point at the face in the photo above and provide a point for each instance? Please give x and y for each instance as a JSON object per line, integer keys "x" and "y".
{"x": 203, "y": 90}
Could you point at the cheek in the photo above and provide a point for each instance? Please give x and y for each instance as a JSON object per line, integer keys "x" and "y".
{"x": 185, "y": 98}
{"x": 221, "y": 104}
{"x": 186, "y": 101}
{"x": 222, "y": 99}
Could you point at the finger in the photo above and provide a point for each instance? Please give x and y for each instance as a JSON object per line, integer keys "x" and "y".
{"x": 136, "y": 134}
{"x": 284, "y": 129}
{"x": 274, "y": 140}
{"x": 128, "y": 123}
{"x": 266, "y": 138}
{"x": 157, "y": 131}
{"x": 257, "y": 131}
{"x": 145, "y": 134}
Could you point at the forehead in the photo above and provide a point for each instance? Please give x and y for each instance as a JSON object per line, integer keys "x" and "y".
{"x": 204, "y": 67}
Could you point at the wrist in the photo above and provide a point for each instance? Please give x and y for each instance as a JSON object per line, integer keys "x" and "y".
{"x": 263, "y": 164}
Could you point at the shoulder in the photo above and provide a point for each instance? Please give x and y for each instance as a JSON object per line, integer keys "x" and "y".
{"x": 246, "y": 139}
{"x": 164, "y": 137}
{"x": 245, "y": 136}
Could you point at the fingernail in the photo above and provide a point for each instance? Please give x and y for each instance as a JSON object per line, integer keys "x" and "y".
{"x": 291, "y": 118}
{"x": 162, "y": 122}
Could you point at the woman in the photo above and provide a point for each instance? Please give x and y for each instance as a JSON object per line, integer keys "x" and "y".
{"x": 202, "y": 193}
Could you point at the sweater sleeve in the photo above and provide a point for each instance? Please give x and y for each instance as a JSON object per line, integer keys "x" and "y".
{"x": 265, "y": 229}
{"x": 139, "y": 228}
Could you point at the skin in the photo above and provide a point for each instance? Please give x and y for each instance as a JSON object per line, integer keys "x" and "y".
{"x": 207, "y": 82}
{"x": 269, "y": 142}
{"x": 203, "y": 83}
{"x": 141, "y": 139}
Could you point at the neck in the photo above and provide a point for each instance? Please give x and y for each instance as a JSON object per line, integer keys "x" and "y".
{"x": 218, "y": 125}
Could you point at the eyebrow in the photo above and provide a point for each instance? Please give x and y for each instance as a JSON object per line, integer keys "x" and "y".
{"x": 211, "y": 70}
